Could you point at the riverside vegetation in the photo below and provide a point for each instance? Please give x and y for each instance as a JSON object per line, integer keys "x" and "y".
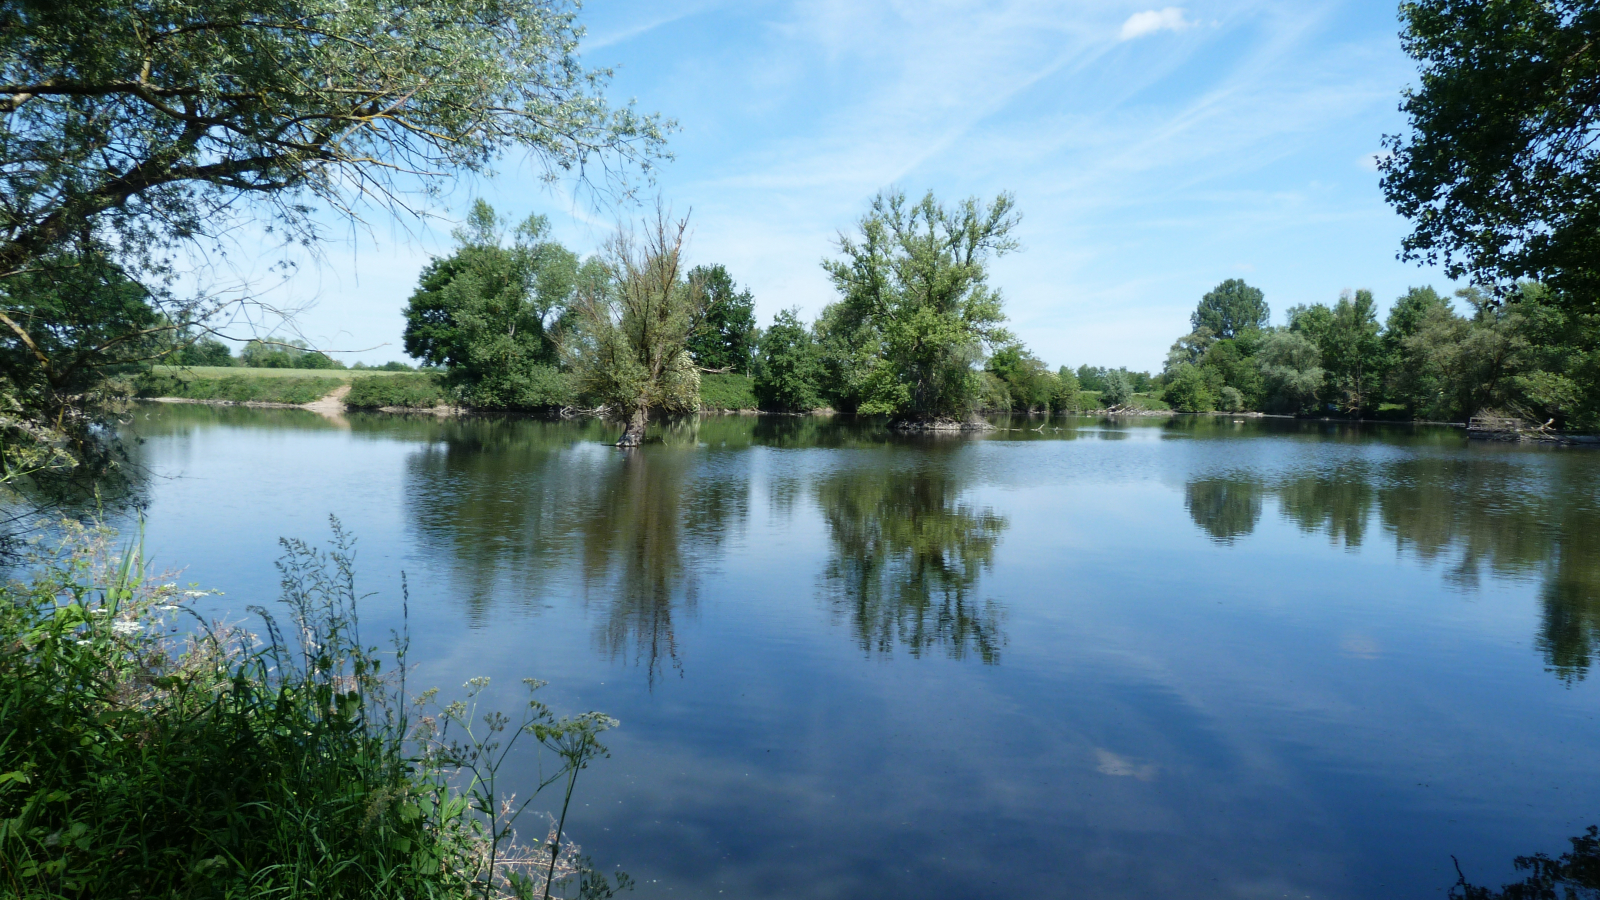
{"x": 137, "y": 761}
{"x": 139, "y": 758}
{"x": 139, "y": 134}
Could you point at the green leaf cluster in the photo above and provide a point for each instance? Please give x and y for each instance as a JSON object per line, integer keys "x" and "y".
{"x": 1529, "y": 354}
{"x": 725, "y": 337}
{"x": 490, "y": 312}
{"x": 632, "y": 323}
{"x": 1499, "y": 172}
{"x": 915, "y": 313}
{"x": 420, "y": 391}
{"x": 788, "y": 377}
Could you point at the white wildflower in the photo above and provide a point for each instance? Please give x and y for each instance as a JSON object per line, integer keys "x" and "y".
{"x": 126, "y": 627}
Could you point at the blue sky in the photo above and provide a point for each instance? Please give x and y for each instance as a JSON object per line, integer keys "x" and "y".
{"x": 1154, "y": 151}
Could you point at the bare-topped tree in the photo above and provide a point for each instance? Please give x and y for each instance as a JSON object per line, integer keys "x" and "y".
{"x": 629, "y": 350}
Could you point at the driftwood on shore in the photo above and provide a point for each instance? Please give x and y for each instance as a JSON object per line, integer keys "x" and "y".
{"x": 1127, "y": 409}
{"x": 1487, "y": 426}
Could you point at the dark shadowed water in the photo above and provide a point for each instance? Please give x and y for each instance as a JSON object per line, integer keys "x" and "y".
{"x": 1187, "y": 659}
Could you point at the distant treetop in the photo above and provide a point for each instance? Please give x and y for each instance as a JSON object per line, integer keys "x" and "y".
{"x": 1230, "y": 308}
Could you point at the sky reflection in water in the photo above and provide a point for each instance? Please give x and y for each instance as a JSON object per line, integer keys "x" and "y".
{"x": 1198, "y": 658}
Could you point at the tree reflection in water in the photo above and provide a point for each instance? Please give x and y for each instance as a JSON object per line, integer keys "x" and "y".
{"x": 907, "y": 556}
{"x": 1472, "y": 514}
{"x": 662, "y": 511}
{"x": 518, "y": 502}
{"x": 1574, "y": 875}
{"x": 1224, "y": 508}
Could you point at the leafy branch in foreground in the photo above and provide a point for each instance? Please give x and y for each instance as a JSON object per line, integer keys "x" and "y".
{"x": 136, "y": 136}
{"x": 137, "y": 758}
{"x": 1500, "y": 172}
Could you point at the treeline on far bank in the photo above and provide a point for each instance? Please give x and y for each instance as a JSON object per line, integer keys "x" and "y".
{"x": 1525, "y": 354}
{"x": 502, "y": 321}
{"x": 508, "y": 322}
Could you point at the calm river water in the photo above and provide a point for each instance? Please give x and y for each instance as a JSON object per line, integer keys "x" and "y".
{"x": 1190, "y": 658}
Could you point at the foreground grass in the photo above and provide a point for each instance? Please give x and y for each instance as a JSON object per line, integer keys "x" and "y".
{"x": 138, "y": 763}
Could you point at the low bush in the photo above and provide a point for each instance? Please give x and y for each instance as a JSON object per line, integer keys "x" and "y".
{"x": 242, "y": 388}
{"x": 375, "y": 391}
{"x": 727, "y": 391}
{"x": 536, "y": 387}
{"x": 141, "y": 760}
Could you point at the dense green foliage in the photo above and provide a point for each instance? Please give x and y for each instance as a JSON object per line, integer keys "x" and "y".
{"x": 1500, "y": 174}
{"x": 200, "y": 352}
{"x": 725, "y": 337}
{"x": 136, "y": 762}
{"x": 489, "y": 313}
{"x": 628, "y": 346}
{"x": 1022, "y": 382}
{"x": 1231, "y": 308}
{"x": 915, "y": 312}
{"x": 727, "y": 390}
{"x": 85, "y": 320}
{"x": 1530, "y": 357}
{"x": 241, "y": 388}
{"x": 789, "y": 369}
{"x": 277, "y": 353}
{"x": 1094, "y": 378}
{"x": 420, "y": 391}
{"x": 1069, "y": 392}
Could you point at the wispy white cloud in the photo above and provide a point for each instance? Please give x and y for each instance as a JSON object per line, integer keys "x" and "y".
{"x": 610, "y": 38}
{"x": 1148, "y": 170}
{"x": 1153, "y": 20}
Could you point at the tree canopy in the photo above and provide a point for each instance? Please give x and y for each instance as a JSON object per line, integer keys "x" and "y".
{"x": 726, "y": 335}
{"x": 132, "y": 129}
{"x": 916, "y": 312}
{"x": 1500, "y": 172}
{"x": 487, "y": 312}
{"x": 628, "y": 345}
{"x": 148, "y": 119}
{"x": 789, "y": 370}
{"x": 1230, "y": 308}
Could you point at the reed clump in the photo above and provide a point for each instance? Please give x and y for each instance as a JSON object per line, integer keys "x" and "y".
{"x": 146, "y": 754}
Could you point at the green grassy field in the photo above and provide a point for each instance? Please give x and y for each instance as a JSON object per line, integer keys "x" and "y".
{"x": 191, "y": 372}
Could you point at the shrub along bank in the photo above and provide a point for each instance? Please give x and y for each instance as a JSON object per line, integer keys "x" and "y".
{"x": 727, "y": 391}
{"x": 412, "y": 391}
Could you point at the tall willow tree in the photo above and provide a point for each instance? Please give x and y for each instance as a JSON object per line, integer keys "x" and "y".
{"x": 132, "y": 129}
{"x": 629, "y": 348}
{"x": 916, "y": 313}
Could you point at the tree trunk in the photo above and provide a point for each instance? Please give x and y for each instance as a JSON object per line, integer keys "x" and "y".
{"x": 633, "y": 435}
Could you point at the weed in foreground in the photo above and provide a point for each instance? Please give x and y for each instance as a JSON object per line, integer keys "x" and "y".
{"x": 143, "y": 759}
